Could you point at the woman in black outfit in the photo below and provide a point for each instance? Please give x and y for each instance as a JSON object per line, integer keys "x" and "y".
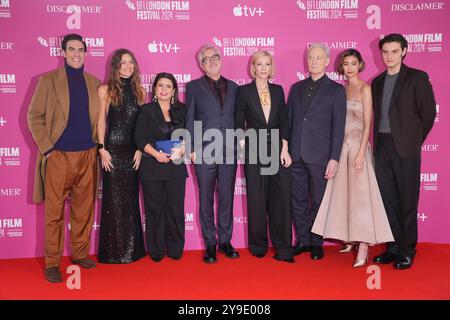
{"x": 121, "y": 237}
{"x": 163, "y": 182}
{"x": 261, "y": 106}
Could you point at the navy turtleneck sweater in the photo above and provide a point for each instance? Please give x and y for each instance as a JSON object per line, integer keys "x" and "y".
{"x": 78, "y": 133}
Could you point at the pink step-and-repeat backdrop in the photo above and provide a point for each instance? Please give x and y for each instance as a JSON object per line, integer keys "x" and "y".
{"x": 165, "y": 36}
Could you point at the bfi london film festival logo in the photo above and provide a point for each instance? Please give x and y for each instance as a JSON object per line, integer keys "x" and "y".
{"x": 329, "y": 9}
{"x": 155, "y": 47}
{"x": 160, "y": 10}
{"x": 429, "y": 181}
{"x": 424, "y": 42}
{"x": 5, "y": 11}
{"x": 182, "y": 79}
{"x": 8, "y": 83}
{"x": 10, "y": 156}
{"x": 247, "y": 11}
{"x": 95, "y": 46}
{"x": 421, "y": 6}
{"x": 189, "y": 223}
{"x": 11, "y": 228}
{"x": 244, "y": 46}
{"x": 2, "y": 122}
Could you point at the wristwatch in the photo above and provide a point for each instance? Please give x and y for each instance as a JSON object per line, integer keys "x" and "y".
{"x": 100, "y": 146}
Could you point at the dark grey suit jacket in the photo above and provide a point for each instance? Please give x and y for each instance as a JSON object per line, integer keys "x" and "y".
{"x": 316, "y": 136}
{"x": 203, "y": 106}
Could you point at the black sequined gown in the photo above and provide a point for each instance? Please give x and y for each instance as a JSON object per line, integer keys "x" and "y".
{"x": 121, "y": 236}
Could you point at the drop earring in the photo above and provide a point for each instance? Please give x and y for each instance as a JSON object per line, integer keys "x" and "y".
{"x": 172, "y": 100}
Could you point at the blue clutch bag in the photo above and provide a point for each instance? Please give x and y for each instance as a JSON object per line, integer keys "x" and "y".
{"x": 166, "y": 146}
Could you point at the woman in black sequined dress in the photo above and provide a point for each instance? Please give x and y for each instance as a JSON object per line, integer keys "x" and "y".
{"x": 121, "y": 237}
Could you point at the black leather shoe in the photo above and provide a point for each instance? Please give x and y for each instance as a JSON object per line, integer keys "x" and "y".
{"x": 288, "y": 260}
{"x": 53, "y": 274}
{"x": 402, "y": 263}
{"x": 300, "y": 249}
{"x": 210, "y": 255}
{"x": 385, "y": 258}
{"x": 228, "y": 250}
{"x": 259, "y": 255}
{"x": 156, "y": 259}
{"x": 316, "y": 252}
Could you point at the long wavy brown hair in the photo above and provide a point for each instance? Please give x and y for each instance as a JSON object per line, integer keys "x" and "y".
{"x": 115, "y": 86}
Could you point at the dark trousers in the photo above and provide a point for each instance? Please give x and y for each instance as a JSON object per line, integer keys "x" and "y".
{"x": 269, "y": 199}
{"x": 308, "y": 186}
{"x": 208, "y": 177}
{"x": 399, "y": 182}
{"x": 164, "y": 217}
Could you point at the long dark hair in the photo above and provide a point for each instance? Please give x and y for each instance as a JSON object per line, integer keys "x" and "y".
{"x": 115, "y": 85}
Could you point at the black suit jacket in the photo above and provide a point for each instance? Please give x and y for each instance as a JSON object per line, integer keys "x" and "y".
{"x": 411, "y": 112}
{"x": 149, "y": 128}
{"x": 249, "y": 113}
{"x": 203, "y": 106}
{"x": 317, "y": 134}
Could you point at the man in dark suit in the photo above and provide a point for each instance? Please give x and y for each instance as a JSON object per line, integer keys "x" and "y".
{"x": 211, "y": 100}
{"x": 404, "y": 112}
{"x": 317, "y": 112}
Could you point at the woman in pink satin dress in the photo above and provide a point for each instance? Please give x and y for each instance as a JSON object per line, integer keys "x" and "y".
{"x": 352, "y": 209}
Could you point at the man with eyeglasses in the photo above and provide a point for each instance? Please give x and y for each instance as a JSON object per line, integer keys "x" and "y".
{"x": 211, "y": 100}
{"x": 62, "y": 118}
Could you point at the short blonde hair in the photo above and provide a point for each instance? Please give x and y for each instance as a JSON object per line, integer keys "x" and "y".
{"x": 259, "y": 54}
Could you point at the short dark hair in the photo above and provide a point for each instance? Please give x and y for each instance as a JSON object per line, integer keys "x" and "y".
{"x": 353, "y": 53}
{"x": 72, "y": 36}
{"x": 393, "y": 37}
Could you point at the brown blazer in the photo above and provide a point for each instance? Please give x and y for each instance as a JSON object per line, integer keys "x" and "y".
{"x": 48, "y": 113}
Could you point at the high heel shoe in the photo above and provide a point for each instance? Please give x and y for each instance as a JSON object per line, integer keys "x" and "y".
{"x": 361, "y": 263}
{"x": 348, "y": 248}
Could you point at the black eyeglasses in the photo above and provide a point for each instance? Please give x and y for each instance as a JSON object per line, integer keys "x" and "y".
{"x": 214, "y": 57}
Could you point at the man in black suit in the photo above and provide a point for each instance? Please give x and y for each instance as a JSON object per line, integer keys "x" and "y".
{"x": 317, "y": 111}
{"x": 404, "y": 112}
{"x": 211, "y": 100}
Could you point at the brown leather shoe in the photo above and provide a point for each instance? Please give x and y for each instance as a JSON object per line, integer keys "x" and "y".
{"x": 53, "y": 274}
{"x": 85, "y": 263}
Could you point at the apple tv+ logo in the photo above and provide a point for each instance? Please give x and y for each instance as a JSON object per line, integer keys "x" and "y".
{"x": 245, "y": 11}
{"x": 161, "y": 47}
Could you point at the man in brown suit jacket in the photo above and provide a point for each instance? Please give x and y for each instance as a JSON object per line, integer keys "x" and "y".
{"x": 404, "y": 112}
{"x": 62, "y": 118}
